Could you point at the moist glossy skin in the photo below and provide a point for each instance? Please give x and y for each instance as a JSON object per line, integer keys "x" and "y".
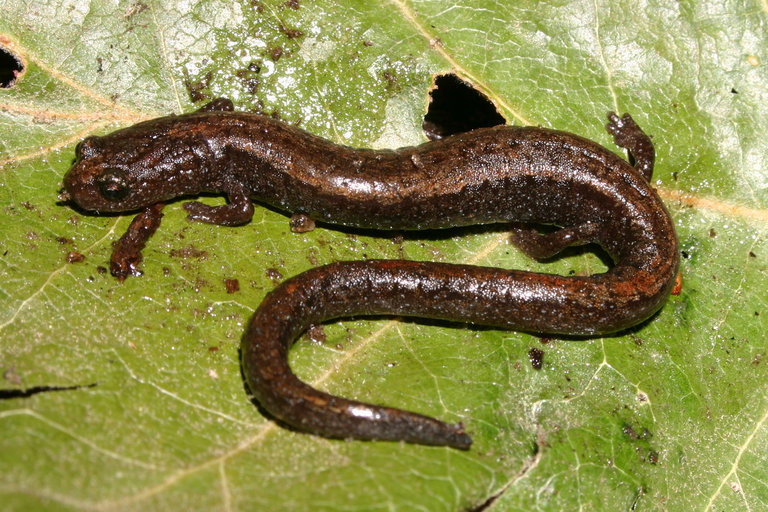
{"x": 504, "y": 173}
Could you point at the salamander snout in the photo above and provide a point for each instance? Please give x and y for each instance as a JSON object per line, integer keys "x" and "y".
{"x": 100, "y": 180}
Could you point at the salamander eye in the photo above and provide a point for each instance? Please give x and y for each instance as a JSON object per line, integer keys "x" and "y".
{"x": 113, "y": 185}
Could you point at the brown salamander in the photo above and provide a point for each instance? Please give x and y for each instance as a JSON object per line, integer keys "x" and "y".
{"x": 505, "y": 173}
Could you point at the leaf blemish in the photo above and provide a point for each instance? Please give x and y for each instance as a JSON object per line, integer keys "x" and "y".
{"x": 12, "y": 64}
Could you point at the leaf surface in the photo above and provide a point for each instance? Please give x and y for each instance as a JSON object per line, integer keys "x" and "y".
{"x": 672, "y": 416}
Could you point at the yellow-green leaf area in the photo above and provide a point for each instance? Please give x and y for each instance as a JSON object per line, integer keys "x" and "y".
{"x": 130, "y": 397}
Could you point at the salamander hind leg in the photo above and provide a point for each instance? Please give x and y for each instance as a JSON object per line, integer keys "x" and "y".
{"x": 628, "y": 135}
{"x": 543, "y": 246}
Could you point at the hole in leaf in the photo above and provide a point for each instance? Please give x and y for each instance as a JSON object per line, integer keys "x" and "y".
{"x": 11, "y": 68}
{"x": 457, "y": 107}
{"x": 7, "y": 394}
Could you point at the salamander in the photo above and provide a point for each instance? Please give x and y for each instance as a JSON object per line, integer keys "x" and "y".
{"x": 528, "y": 176}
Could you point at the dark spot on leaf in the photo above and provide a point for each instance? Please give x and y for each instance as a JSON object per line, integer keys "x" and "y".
{"x": 274, "y": 274}
{"x": 250, "y": 77}
{"x": 189, "y": 252}
{"x": 457, "y": 107}
{"x": 312, "y": 257}
{"x": 293, "y": 4}
{"x": 136, "y": 8}
{"x": 629, "y": 432}
{"x": 198, "y": 90}
{"x": 75, "y": 257}
{"x": 536, "y": 356}
{"x": 290, "y": 33}
{"x": 275, "y": 53}
{"x": 390, "y": 77}
{"x": 232, "y": 285}
{"x": 201, "y": 283}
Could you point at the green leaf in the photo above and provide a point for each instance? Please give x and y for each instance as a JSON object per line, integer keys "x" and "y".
{"x": 134, "y": 398}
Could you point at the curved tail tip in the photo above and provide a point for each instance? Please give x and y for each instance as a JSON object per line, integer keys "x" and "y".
{"x": 457, "y": 438}
{"x": 461, "y": 441}
{"x": 431, "y": 433}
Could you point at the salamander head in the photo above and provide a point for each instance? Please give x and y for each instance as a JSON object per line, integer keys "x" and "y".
{"x": 131, "y": 169}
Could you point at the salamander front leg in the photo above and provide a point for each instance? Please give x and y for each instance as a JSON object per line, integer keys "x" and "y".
{"x": 628, "y": 135}
{"x": 126, "y": 252}
{"x": 238, "y": 211}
